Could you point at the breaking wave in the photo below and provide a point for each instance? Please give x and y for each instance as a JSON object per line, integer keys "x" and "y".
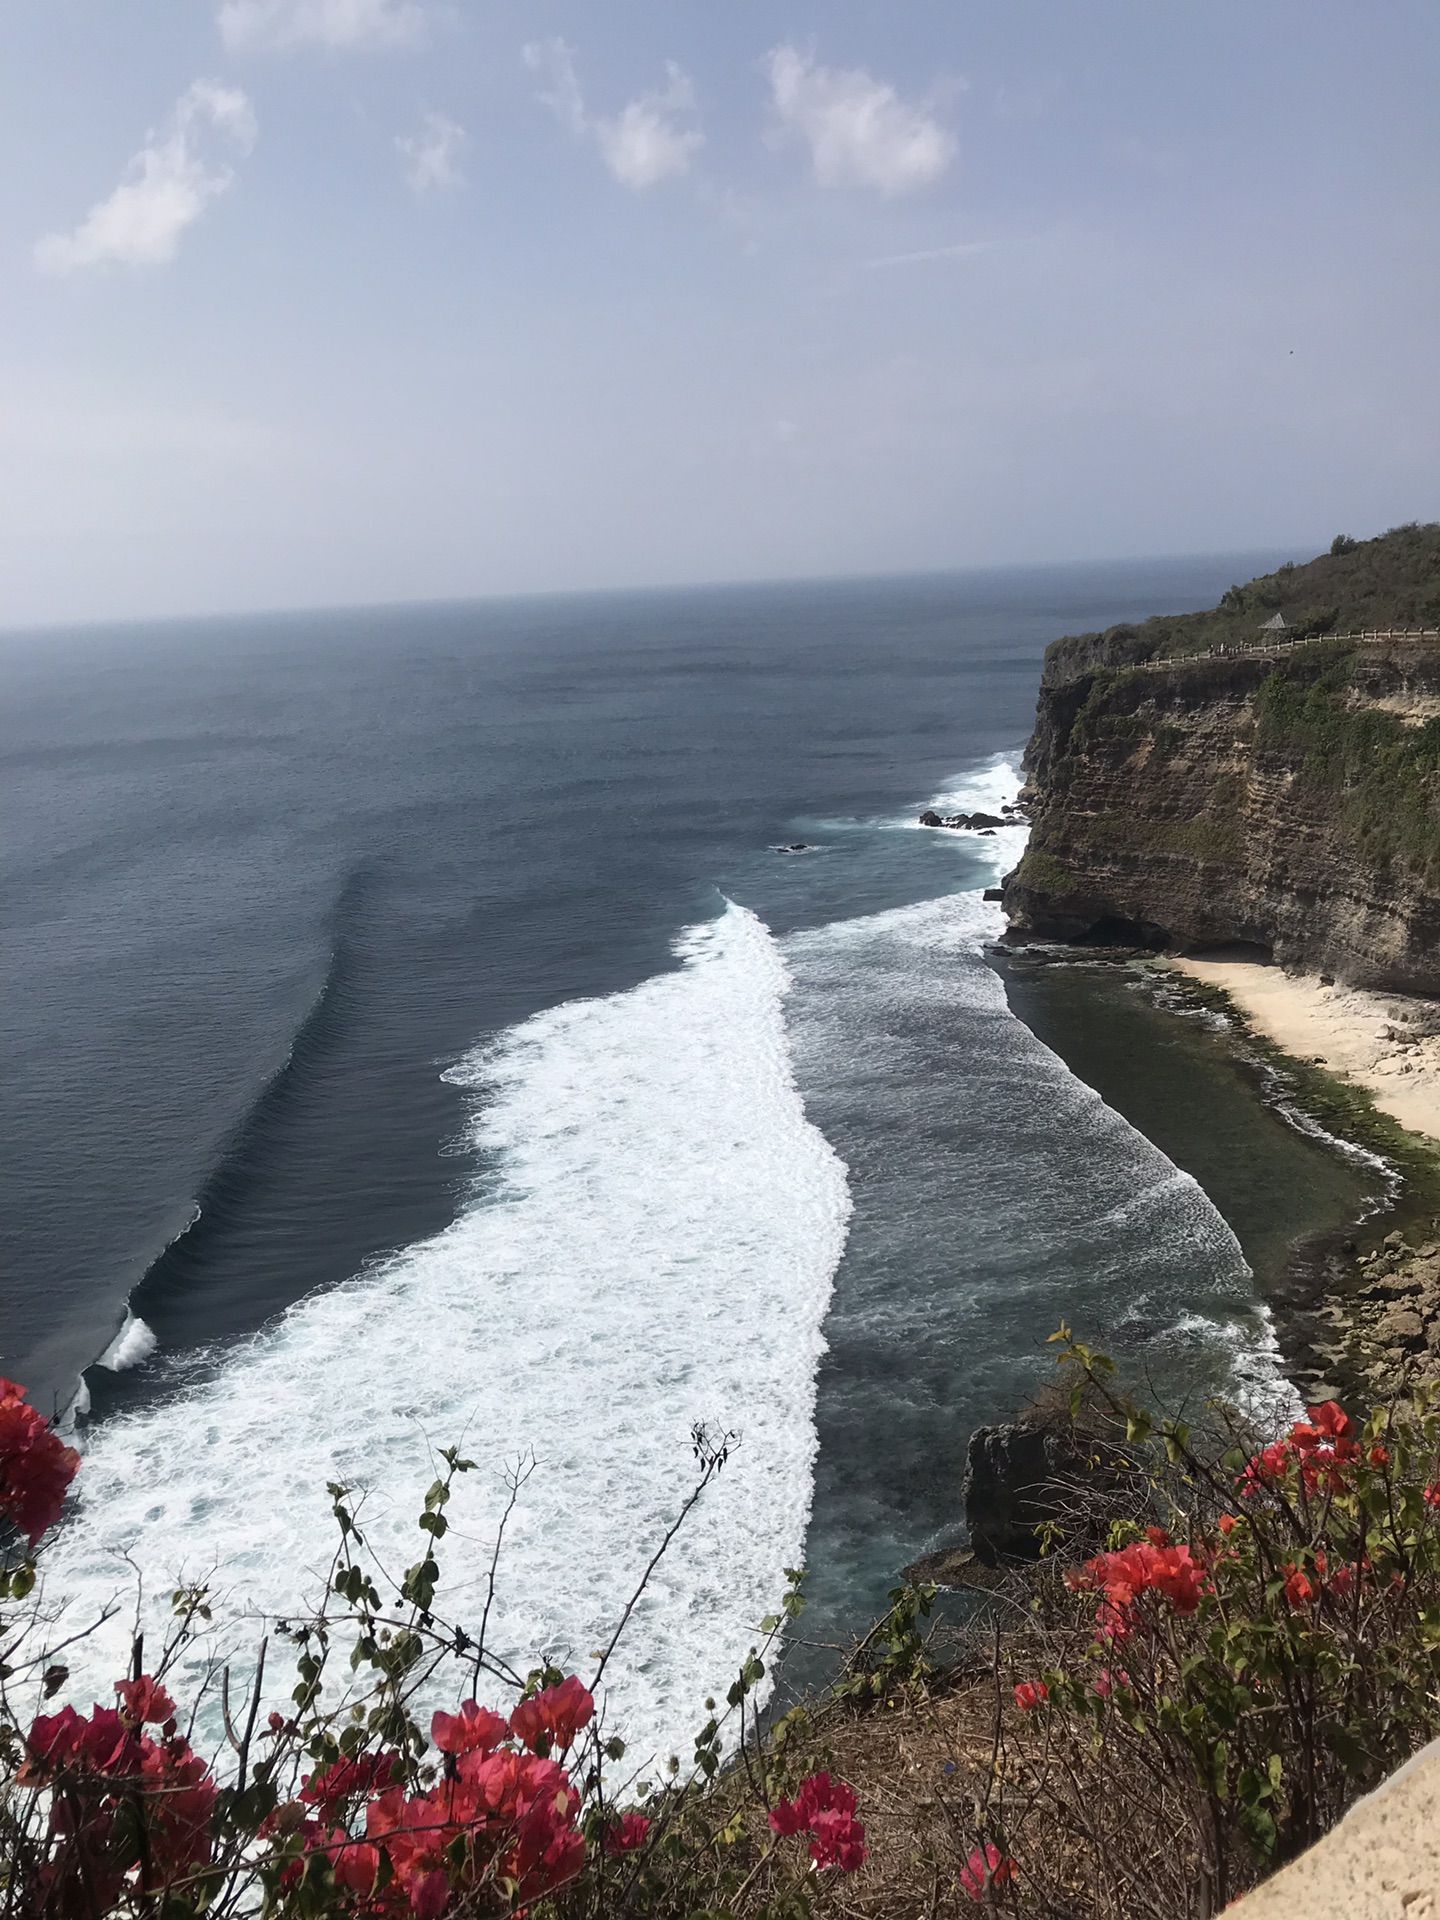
{"x": 653, "y": 1244}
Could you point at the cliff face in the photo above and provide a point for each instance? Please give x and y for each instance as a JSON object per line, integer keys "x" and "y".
{"x": 1289, "y": 803}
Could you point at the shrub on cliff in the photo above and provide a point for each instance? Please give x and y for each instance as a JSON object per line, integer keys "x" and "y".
{"x": 338, "y": 1803}
{"x": 1258, "y": 1645}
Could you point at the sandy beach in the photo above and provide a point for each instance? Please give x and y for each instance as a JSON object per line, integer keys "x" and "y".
{"x": 1388, "y": 1043}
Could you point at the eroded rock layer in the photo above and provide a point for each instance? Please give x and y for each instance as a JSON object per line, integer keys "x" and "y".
{"x": 1287, "y": 801}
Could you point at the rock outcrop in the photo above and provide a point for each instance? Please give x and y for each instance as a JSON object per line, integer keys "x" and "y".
{"x": 1043, "y": 1468}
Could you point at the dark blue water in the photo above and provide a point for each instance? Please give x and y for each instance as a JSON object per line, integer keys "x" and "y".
{"x": 267, "y": 882}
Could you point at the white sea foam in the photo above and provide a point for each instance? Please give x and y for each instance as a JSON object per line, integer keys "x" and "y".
{"x": 131, "y": 1347}
{"x": 985, "y": 789}
{"x": 654, "y": 1246}
{"x": 982, "y": 789}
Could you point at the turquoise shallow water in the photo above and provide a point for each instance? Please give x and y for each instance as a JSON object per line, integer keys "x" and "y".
{"x": 1176, "y": 1077}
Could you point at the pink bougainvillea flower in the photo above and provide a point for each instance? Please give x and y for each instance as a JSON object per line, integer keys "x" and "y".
{"x": 1031, "y": 1694}
{"x": 144, "y": 1700}
{"x": 64, "y": 1739}
{"x": 825, "y": 1809}
{"x": 787, "y": 1816}
{"x": 473, "y": 1730}
{"x": 987, "y": 1867}
{"x": 822, "y": 1793}
{"x": 626, "y": 1834}
{"x": 35, "y": 1465}
{"x": 1432, "y": 1494}
{"x": 553, "y": 1717}
{"x": 505, "y": 1817}
{"x": 838, "y": 1840}
{"x": 133, "y": 1802}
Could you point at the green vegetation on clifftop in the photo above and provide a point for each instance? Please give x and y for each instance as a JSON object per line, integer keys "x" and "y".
{"x": 1393, "y": 580}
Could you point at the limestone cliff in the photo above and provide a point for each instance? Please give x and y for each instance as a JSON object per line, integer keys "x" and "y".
{"x": 1289, "y": 801}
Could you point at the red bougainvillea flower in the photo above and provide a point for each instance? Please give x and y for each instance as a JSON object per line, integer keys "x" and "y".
{"x": 1265, "y": 1467}
{"x": 330, "y": 1788}
{"x": 1226, "y": 1523}
{"x": 986, "y": 1867}
{"x": 1105, "y": 1682}
{"x": 825, "y": 1809}
{"x": 506, "y": 1817}
{"x": 1299, "y": 1588}
{"x": 35, "y": 1465}
{"x": 1031, "y": 1694}
{"x": 1379, "y": 1457}
{"x": 1432, "y": 1494}
{"x": 553, "y": 1718}
{"x": 1123, "y": 1577}
{"x": 626, "y": 1834}
{"x": 473, "y": 1730}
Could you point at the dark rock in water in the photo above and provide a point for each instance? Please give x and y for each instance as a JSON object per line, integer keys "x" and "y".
{"x": 956, "y": 1568}
{"x": 1008, "y": 1471}
{"x": 965, "y": 822}
{"x": 1045, "y": 1468}
{"x": 795, "y": 846}
{"x": 987, "y": 833}
{"x": 993, "y": 893}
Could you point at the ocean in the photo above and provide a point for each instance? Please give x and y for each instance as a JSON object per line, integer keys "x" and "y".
{"x": 542, "y": 1026}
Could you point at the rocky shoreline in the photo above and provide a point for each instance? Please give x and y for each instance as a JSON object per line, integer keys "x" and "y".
{"x": 1357, "y": 1311}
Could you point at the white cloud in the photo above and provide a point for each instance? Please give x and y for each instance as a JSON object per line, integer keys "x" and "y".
{"x": 554, "y": 61}
{"x": 859, "y": 131}
{"x": 642, "y": 144}
{"x": 646, "y": 142}
{"x": 168, "y": 185}
{"x": 432, "y": 156}
{"x": 250, "y": 24}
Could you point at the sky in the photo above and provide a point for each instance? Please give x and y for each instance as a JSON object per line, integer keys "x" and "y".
{"x": 316, "y": 302}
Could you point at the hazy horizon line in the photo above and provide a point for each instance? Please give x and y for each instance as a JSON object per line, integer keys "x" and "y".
{"x": 427, "y": 603}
